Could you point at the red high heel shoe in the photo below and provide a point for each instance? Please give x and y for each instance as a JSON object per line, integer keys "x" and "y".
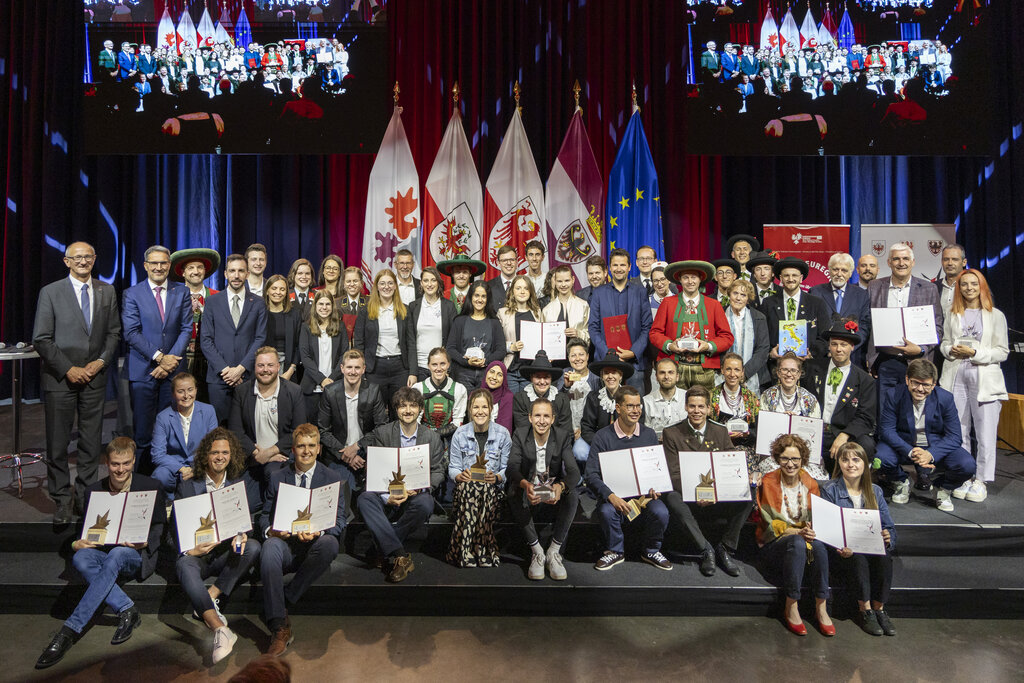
{"x": 796, "y": 629}
{"x": 828, "y": 631}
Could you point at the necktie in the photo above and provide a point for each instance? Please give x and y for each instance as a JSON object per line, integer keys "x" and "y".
{"x": 85, "y": 309}
{"x": 302, "y": 299}
{"x": 159, "y": 301}
{"x": 303, "y": 482}
{"x": 790, "y": 309}
{"x": 839, "y": 300}
{"x": 236, "y": 310}
{"x": 507, "y": 285}
{"x": 648, "y": 287}
{"x": 834, "y": 378}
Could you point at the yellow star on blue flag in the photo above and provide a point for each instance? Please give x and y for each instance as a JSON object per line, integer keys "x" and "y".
{"x": 632, "y": 175}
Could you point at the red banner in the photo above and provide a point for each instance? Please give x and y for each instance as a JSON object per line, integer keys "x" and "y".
{"x": 813, "y": 243}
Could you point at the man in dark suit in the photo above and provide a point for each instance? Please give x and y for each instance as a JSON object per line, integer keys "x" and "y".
{"x": 597, "y": 275}
{"x": 349, "y": 410}
{"x": 541, "y": 373}
{"x": 845, "y": 392}
{"x": 391, "y": 518}
{"x": 762, "y": 273}
{"x": 234, "y": 326}
{"x": 307, "y": 554}
{"x": 76, "y": 333}
{"x": 541, "y": 460}
{"x": 408, "y": 286}
{"x": 156, "y": 315}
{"x": 127, "y": 65}
{"x": 846, "y": 300}
{"x": 919, "y": 425}
{"x": 508, "y": 262}
{"x": 264, "y": 413}
{"x": 104, "y": 565}
{"x": 697, "y": 433}
{"x": 793, "y": 304}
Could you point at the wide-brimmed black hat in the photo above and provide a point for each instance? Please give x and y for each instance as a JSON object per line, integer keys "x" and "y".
{"x": 611, "y": 361}
{"x": 539, "y": 364}
{"x": 791, "y": 262}
{"x": 702, "y": 268}
{"x": 760, "y": 258}
{"x": 843, "y": 329}
{"x": 183, "y": 257}
{"x": 728, "y": 262}
{"x": 446, "y": 267}
{"x": 755, "y": 244}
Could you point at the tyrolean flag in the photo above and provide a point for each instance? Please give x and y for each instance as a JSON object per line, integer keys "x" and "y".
{"x": 186, "y": 32}
{"x": 165, "y": 33}
{"x": 769, "y": 32}
{"x": 789, "y": 34}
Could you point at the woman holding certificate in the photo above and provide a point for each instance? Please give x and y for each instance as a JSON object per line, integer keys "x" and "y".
{"x": 788, "y": 546}
{"x": 476, "y": 338}
{"x": 869, "y": 575}
{"x": 521, "y": 305}
{"x": 734, "y": 405}
{"x": 974, "y": 343}
{"x": 477, "y": 460}
{"x": 787, "y": 396}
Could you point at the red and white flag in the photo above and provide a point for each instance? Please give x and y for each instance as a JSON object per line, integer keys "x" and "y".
{"x": 513, "y": 199}
{"x": 392, "y": 202}
{"x": 224, "y": 22}
{"x": 827, "y": 29}
{"x": 206, "y": 30}
{"x": 165, "y": 34}
{"x": 453, "y": 205}
{"x": 769, "y": 32}
{"x": 789, "y": 34}
{"x": 186, "y": 32}
{"x": 573, "y": 201}
{"x": 808, "y": 30}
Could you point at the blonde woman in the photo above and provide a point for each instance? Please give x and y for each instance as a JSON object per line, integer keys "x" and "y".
{"x": 382, "y": 337}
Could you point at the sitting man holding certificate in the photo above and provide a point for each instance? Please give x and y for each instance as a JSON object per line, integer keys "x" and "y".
{"x": 542, "y": 478}
{"x": 690, "y": 327}
{"x": 919, "y": 425}
{"x": 212, "y": 540}
{"x": 128, "y": 513}
{"x": 404, "y": 462}
{"x": 540, "y": 374}
{"x": 720, "y": 491}
{"x": 626, "y": 461}
{"x": 303, "y": 522}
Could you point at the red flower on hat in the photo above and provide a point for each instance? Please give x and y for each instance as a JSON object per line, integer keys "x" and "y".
{"x": 773, "y": 253}
{"x": 851, "y": 325}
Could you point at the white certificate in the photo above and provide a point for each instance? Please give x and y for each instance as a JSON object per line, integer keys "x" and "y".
{"x": 635, "y": 471}
{"x": 231, "y": 507}
{"x": 889, "y": 326}
{"x": 547, "y": 337}
{"x": 772, "y": 425}
{"x": 382, "y": 463}
{"x": 113, "y": 519}
{"x": 727, "y": 470}
{"x": 318, "y": 507}
{"x": 223, "y": 513}
{"x": 839, "y": 527}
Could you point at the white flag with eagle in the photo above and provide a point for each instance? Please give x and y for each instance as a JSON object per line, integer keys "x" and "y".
{"x": 392, "y": 203}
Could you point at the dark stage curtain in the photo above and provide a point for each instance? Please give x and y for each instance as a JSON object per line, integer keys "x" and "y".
{"x": 311, "y": 206}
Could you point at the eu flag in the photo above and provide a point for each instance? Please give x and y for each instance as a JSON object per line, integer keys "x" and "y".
{"x": 243, "y": 32}
{"x": 847, "y": 39}
{"x": 634, "y": 209}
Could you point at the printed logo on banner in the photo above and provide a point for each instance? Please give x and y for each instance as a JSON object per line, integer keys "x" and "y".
{"x": 878, "y": 246}
{"x": 935, "y": 247}
{"x": 800, "y": 238}
{"x": 909, "y": 243}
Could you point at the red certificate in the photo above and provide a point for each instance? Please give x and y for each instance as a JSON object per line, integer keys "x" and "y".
{"x": 616, "y": 334}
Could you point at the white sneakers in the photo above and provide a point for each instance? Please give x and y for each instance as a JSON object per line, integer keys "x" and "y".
{"x": 943, "y": 499}
{"x": 972, "y": 490}
{"x": 961, "y": 491}
{"x": 901, "y": 495}
{"x": 223, "y": 641}
{"x": 556, "y": 570}
{"x": 536, "y": 571}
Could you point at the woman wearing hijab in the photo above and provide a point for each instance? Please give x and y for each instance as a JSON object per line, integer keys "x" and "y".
{"x": 496, "y": 381}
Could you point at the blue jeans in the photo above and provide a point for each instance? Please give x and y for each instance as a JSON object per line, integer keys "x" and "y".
{"x": 787, "y": 558}
{"x": 653, "y": 521}
{"x": 101, "y": 570}
{"x": 952, "y": 470}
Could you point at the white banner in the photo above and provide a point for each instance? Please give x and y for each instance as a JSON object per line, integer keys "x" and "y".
{"x": 926, "y": 239}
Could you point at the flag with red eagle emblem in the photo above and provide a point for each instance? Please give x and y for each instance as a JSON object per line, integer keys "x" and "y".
{"x": 809, "y": 30}
{"x": 453, "y": 205}
{"x": 207, "y": 32}
{"x": 392, "y": 203}
{"x": 513, "y": 199}
{"x": 186, "y": 32}
{"x": 165, "y": 35}
{"x": 789, "y": 34}
{"x": 574, "y": 200}
{"x": 769, "y": 32}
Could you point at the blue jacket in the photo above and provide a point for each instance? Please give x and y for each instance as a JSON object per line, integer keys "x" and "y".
{"x": 941, "y": 422}
{"x": 835, "y": 492}
{"x": 168, "y": 447}
{"x": 144, "y": 331}
{"x": 223, "y": 344}
{"x": 464, "y": 449}
{"x": 606, "y": 301}
{"x": 605, "y": 439}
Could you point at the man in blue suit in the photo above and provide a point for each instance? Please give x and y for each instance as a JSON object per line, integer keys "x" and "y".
{"x": 919, "y": 425}
{"x": 178, "y": 430}
{"x": 620, "y": 297}
{"x": 307, "y": 554}
{"x": 126, "y": 63}
{"x": 234, "y": 326}
{"x": 156, "y": 316}
{"x": 847, "y": 300}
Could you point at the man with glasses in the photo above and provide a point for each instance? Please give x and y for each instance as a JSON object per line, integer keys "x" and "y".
{"x": 919, "y": 425}
{"x": 77, "y": 330}
{"x": 508, "y": 262}
{"x": 156, "y": 315}
{"x": 646, "y": 257}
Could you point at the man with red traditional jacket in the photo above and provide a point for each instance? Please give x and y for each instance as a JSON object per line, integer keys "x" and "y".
{"x": 690, "y": 327}
{"x": 192, "y": 266}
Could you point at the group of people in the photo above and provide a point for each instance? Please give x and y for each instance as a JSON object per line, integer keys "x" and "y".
{"x": 294, "y": 377}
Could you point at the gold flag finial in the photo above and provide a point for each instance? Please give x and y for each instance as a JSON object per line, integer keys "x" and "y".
{"x": 516, "y": 90}
{"x": 635, "y": 106}
{"x": 396, "y": 90}
{"x": 576, "y": 92}
{"x": 455, "y": 94}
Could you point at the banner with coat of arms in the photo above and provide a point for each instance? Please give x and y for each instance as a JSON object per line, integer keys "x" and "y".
{"x": 927, "y": 240}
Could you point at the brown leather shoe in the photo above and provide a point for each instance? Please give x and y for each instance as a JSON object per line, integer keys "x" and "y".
{"x": 282, "y": 639}
{"x": 400, "y": 568}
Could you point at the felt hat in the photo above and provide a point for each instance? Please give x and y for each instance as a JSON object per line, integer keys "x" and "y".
{"x": 843, "y": 329}
{"x": 447, "y": 266}
{"x": 755, "y": 244}
{"x": 539, "y": 364}
{"x": 705, "y": 270}
{"x": 183, "y": 257}
{"x": 791, "y": 262}
{"x": 611, "y": 361}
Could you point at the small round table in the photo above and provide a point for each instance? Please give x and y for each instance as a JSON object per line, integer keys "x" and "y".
{"x": 17, "y": 459}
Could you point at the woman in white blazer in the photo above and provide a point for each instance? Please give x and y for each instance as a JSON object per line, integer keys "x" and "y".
{"x": 974, "y": 343}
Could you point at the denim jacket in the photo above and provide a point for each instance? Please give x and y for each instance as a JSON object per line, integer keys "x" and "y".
{"x": 835, "y": 492}
{"x": 464, "y": 449}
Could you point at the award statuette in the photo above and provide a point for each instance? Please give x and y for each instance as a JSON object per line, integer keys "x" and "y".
{"x": 542, "y": 489}
{"x": 478, "y": 472}
{"x": 574, "y": 376}
{"x": 206, "y": 533}
{"x": 705, "y": 490}
{"x": 737, "y": 426}
{"x": 969, "y": 342}
{"x": 396, "y": 487}
{"x": 636, "y": 505}
{"x": 97, "y": 533}
{"x": 303, "y": 521}
{"x": 688, "y": 343}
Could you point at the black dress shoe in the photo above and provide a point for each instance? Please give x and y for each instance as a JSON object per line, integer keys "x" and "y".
{"x": 127, "y": 620}
{"x": 725, "y": 561}
{"x": 707, "y": 562}
{"x": 924, "y": 482}
{"x": 63, "y": 513}
{"x": 57, "y": 648}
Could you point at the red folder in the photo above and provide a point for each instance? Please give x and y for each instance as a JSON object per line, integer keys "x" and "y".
{"x": 616, "y": 334}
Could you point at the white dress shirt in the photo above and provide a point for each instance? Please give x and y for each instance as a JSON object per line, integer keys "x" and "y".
{"x": 428, "y": 331}
{"x": 831, "y": 397}
{"x": 387, "y": 333}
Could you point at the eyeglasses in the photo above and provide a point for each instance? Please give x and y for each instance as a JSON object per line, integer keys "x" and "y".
{"x": 783, "y": 461}
{"x": 928, "y": 386}
{"x": 789, "y": 371}
{"x": 632, "y": 409}
{"x": 507, "y": 260}
{"x": 330, "y": 269}
{"x": 158, "y": 264}
{"x": 81, "y": 259}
